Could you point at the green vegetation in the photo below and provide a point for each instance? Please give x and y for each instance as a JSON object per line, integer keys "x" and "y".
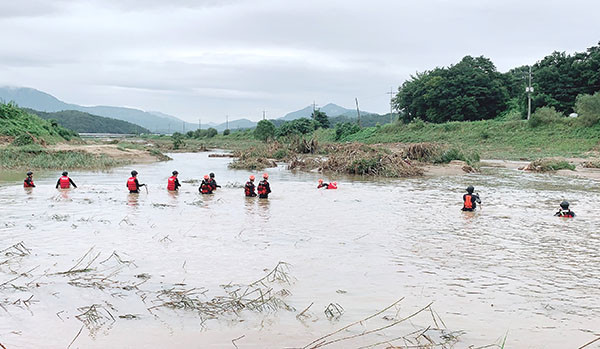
{"x": 265, "y": 130}
{"x": 85, "y": 122}
{"x": 37, "y": 157}
{"x": 28, "y": 128}
{"x": 549, "y": 165}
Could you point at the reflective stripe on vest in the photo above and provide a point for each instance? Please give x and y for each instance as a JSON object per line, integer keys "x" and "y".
{"x": 131, "y": 184}
{"x": 171, "y": 183}
{"x": 64, "y": 182}
{"x": 468, "y": 202}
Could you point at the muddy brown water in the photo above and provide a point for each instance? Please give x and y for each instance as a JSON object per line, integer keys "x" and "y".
{"x": 510, "y": 269}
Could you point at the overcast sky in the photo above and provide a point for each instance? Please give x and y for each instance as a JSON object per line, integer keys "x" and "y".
{"x": 209, "y": 58}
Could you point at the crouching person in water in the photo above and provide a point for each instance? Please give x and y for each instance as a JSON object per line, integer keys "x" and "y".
{"x": 564, "y": 210}
{"x": 470, "y": 200}
{"x": 206, "y": 186}
{"x": 264, "y": 189}
{"x": 64, "y": 182}
{"x": 332, "y": 185}
{"x": 249, "y": 188}
{"x": 28, "y": 182}
{"x": 132, "y": 183}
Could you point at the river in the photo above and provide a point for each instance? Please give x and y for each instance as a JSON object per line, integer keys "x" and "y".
{"x": 510, "y": 270}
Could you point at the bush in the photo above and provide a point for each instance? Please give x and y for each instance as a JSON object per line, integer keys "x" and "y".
{"x": 588, "y": 108}
{"x": 226, "y": 132}
{"x": 417, "y": 124}
{"x": 300, "y": 126}
{"x": 211, "y": 132}
{"x": 545, "y": 116}
{"x": 345, "y": 129}
{"x": 280, "y": 154}
{"x": 23, "y": 139}
{"x": 457, "y": 154}
{"x": 264, "y": 130}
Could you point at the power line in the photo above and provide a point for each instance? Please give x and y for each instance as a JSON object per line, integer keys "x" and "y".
{"x": 391, "y": 93}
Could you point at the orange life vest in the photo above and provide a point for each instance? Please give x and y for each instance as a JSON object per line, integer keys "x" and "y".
{"x": 65, "y": 183}
{"x": 262, "y": 188}
{"x": 206, "y": 187}
{"x": 468, "y": 201}
{"x": 171, "y": 183}
{"x": 249, "y": 189}
{"x": 131, "y": 184}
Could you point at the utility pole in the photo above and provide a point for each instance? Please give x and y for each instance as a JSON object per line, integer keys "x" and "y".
{"x": 199, "y": 124}
{"x": 314, "y": 105}
{"x": 529, "y": 91}
{"x": 227, "y": 122}
{"x": 169, "y": 127}
{"x": 183, "y": 126}
{"x": 391, "y": 93}
{"x": 357, "y": 111}
{"x": 264, "y": 114}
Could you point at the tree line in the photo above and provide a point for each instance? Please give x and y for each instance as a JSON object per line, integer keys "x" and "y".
{"x": 473, "y": 89}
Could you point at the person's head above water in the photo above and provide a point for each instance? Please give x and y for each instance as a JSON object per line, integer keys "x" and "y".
{"x": 252, "y": 178}
{"x": 320, "y": 180}
{"x": 564, "y": 205}
{"x": 470, "y": 189}
{"x": 65, "y": 173}
{"x": 212, "y": 175}
{"x": 206, "y": 177}
{"x": 134, "y": 173}
{"x": 175, "y": 173}
{"x": 265, "y": 175}
{"x": 29, "y": 173}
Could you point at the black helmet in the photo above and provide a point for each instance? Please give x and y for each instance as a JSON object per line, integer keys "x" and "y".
{"x": 29, "y": 173}
{"x": 212, "y": 175}
{"x": 175, "y": 172}
{"x": 470, "y": 189}
{"x": 65, "y": 173}
{"x": 134, "y": 173}
{"x": 564, "y": 204}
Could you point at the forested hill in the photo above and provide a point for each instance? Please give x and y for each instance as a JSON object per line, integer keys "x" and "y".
{"x": 27, "y": 128}
{"x": 88, "y": 123}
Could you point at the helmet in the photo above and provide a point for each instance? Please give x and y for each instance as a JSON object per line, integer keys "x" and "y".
{"x": 470, "y": 189}
{"x": 175, "y": 172}
{"x": 252, "y": 177}
{"x": 134, "y": 173}
{"x": 212, "y": 175}
{"x": 205, "y": 176}
{"x": 29, "y": 173}
{"x": 265, "y": 175}
{"x": 65, "y": 173}
{"x": 320, "y": 180}
{"x": 564, "y": 204}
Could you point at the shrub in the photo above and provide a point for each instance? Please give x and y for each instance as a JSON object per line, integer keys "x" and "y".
{"x": 226, "y": 132}
{"x": 264, "y": 130}
{"x": 345, "y": 129}
{"x": 23, "y": 139}
{"x": 588, "y": 108}
{"x": 545, "y": 116}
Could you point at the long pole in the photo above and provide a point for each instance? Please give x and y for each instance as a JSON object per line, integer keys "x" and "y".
{"x": 227, "y": 122}
{"x": 357, "y": 111}
{"x": 529, "y": 90}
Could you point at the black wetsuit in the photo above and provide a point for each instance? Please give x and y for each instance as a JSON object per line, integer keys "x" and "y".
{"x": 565, "y": 213}
{"x": 322, "y": 185}
{"x": 267, "y": 189}
{"x": 249, "y": 189}
{"x": 70, "y": 181}
{"x": 214, "y": 184}
{"x": 474, "y": 201}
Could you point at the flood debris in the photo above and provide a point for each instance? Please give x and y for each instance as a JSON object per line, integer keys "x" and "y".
{"x": 356, "y": 334}
{"x": 96, "y": 316}
{"x": 333, "y": 311}
{"x": 13, "y": 252}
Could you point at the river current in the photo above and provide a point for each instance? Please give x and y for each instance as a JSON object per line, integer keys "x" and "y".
{"x": 510, "y": 270}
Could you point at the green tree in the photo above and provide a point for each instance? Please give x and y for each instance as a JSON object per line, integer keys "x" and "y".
{"x": 321, "y": 119}
{"x": 177, "y": 139}
{"x": 470, "y": 90}
{"x": 211, "y": 132}
{"x": 300, "y": 126}
{"x": 226, "y": 132}
{"x": 265, "y": 130}
{"x": 588, "y": 108}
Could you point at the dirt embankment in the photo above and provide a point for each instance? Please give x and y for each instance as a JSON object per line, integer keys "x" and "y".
{"x": 110, "y": 150}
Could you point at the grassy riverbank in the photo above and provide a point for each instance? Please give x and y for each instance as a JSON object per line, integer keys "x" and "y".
{"x": 37, "y": 157}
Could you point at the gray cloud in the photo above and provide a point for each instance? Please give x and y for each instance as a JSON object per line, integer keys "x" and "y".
{"x": 233, "y": 57}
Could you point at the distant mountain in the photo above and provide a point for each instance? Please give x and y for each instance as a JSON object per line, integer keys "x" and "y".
{"x": 87, "y": 123}
{"x": 330, "y": 109}
{"x": 38, "y": 100}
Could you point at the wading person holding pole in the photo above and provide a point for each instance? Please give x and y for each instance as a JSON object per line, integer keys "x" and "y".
{"x": 64, "y": 182}
{"x": 132, "y": 183}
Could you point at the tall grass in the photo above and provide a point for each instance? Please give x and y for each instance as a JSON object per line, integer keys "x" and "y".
{"x": 36, "y": 157}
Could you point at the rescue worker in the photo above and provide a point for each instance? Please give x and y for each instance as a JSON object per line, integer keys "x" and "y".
{"x": 133, "y": 184}
{"x": 470, "y": 200}
{"x": 213, "y": 183}
{"x": 264, "y": 189}
{"x": 564, "y": 210}
{"x": 332, "y": 185}
{"x": 206, "y": 186}
{"x": 64, "y": 182}
{"x": 28, "y": 182}
{"x": 173, "y": 182}
{"x": 249, "y": 187}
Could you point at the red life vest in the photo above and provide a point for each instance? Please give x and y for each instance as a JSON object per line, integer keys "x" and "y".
{"x": 65, "y": 183}
{"x": 332, "y": 185}
{"x": 468, "y": 202}
{"x": 206, "y": 187}
{"x": 249, "y": 189}
{"x": 171, "y": 183}
{"x": 262, "y": 188}
{"x": 28, "y": 185}
{"x": 131, "y": 184}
